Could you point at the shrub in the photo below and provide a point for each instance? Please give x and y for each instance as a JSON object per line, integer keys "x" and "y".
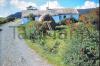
{"x": 82, "y": 38}
{"x": 8, "y": 19}
{"x": 80, "y": 48}
{"x": 2, "y": 20}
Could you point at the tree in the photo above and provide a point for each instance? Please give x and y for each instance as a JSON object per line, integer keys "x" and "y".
{"x": 31, "y": 17}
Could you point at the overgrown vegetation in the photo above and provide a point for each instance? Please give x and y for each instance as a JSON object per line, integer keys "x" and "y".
{"x": 69, "y": 44}
{"x": 78, "y": 47}
{"x": 92, "y": 17}
{"x": 2, "y": 20}
{"x": 6, "y": 20}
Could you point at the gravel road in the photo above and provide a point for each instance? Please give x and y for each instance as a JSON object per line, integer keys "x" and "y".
{"x": 15, "y": 52}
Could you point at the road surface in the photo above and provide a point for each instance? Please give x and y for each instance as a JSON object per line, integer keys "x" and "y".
{"x": 15, "y": 52}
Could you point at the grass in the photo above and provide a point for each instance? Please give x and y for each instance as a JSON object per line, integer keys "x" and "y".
{"x": 44, "y": 51}
{"x": 55, "y": 59}
{"x": 59, "y": 51}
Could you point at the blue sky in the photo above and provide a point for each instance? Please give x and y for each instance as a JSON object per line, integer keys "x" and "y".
{"x": 8, "y": 7}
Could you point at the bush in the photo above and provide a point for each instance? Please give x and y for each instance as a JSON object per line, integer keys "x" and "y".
{"x": 83, "y": 38}
{"x": 2, "y": 20}
{"x": 80, "y": 48}
{"x": 8, "y": 19}
{"x": 32, "y": 17}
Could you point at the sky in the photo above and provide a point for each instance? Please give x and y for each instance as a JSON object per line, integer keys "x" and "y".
{"x": 8, "y": 7}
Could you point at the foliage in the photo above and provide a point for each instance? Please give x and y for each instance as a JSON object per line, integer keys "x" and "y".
{"x": 71, "y": 20}
{"x": 10, "y": 18}
{"x": 69, "y": 50}
{"x": 7, "y": 19}
{"x": 92, "y": 17}
{"x": 83, "y": 38}
{"x": 32, "y": 17}
{"x": 2, "y": 20}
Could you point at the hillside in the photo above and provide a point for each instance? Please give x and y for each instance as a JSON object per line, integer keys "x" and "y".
{"x": 16, "y": 15}
{"x": 92, "y": 16}
{"x": 84, "y": 11}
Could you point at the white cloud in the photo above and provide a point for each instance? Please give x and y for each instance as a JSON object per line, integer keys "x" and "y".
{"x": 2, "y": 2}
{"x": 22, "y": 4}
{"x": 52, "y": 5}
{"x": 88, "y": 4}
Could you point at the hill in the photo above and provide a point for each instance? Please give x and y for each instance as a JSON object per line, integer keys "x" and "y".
{"x": 16, "y": 15}
{"x": 84, "y": 11}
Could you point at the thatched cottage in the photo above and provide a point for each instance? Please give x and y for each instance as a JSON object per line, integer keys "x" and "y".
{"x": 53, "y": 12}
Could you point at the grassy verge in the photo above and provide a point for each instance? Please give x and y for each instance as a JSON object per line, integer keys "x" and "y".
{"x": 45, "y": 50}
{"x": 54, "y": 59}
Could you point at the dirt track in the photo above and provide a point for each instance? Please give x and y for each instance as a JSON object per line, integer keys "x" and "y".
{"x": 14, "y": 51}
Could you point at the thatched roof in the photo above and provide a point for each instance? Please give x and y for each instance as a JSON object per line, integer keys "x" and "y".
{"x": 50, "y": 11}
